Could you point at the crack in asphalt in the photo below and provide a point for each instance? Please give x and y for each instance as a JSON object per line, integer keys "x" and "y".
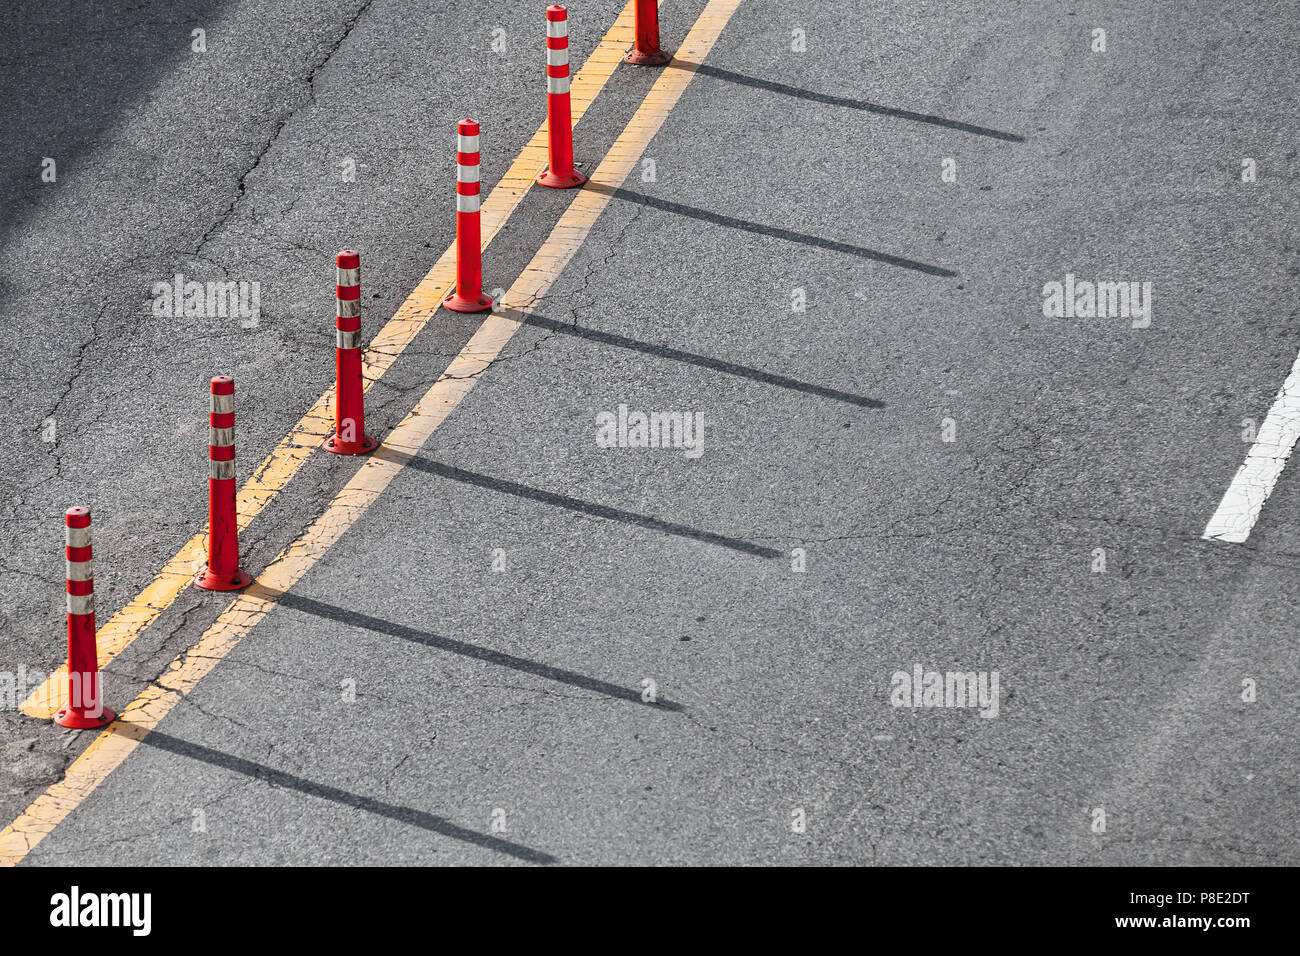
{"x": 56, "y": 850}
{"x": 78, "y": 369}
{"x": 593, "y": 266}
{"x": 310, "y": 100}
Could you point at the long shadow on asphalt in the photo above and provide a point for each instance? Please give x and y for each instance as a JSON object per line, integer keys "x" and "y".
{"x": 406, "y": 815}
{"x": 717, "y": 219}
{"x": 704, "y": 361}
{"x": 437, "y": 641}
{"x": 706, "y": 70}
{"x": 576, "y": 504}
{"x": 72, "y": 71}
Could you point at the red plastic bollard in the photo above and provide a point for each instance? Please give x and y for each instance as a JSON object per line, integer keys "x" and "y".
{"x": 468, "y": 295}
{"x": 560, "y": 174}
{"x": 646, "y": 51}
{"x": 85, "y": 706}
{"x": 349, "y": 436}
{"x": 223, "y": 572}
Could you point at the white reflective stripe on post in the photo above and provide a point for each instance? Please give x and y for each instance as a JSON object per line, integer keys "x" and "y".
{"x": 349, "y": 277}
{"x": 80, "y": 571}
{"x": 466, "y": 174}
{"x": 77, "y": 537}
{"x": 81, "y": 604}
{"x": 221, "y": 437}
{"x": 466, "y": 203}
{"x": 222, "y": 404}
{"x": 347, "y": 340}
{"x": 557, "y": 28}
{"x": 221, "y": 470}
{"x": 557, "y": 84}
{"x": 348, "y": 308}
{"x": 466, "y": 144}
{"x": 557, "y": 57}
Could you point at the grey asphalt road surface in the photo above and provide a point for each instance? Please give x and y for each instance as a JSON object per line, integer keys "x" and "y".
{"x": 534, "y": 648}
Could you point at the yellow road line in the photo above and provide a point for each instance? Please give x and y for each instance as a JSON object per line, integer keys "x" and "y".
{"x": 115, "y": 743}
{"x": 305, "y": 437}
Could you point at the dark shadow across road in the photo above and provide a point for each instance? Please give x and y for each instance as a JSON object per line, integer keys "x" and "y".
{"x": 71, "y": 71}
{"x": 576, "y": 504}
{"x": 406, "y": 815}
{"x": 731, "y": 222}
{"x": 691, "y": 358}
{"x": 866, "y": 106}
{"x": 473, "y": 651}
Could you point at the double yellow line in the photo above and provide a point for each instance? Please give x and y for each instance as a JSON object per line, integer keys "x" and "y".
{"x": 305, "y": 437}
{"x": 115, "y": 743}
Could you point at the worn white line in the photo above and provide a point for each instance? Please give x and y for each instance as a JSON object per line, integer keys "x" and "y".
{"x": 1254, "y": 481}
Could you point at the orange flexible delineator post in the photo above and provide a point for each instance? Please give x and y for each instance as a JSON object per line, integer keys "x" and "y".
{"x": 468, "y": 295}
{"x": 223, "y": 572}
{"x": 560, "y": 173}
{"x": 646, "y": 52}
{"x": 85, "y": 706}
{"x": 349, "y": 436}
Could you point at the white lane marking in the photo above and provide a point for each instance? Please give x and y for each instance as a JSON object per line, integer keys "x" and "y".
{"x": 1254, "y": 481}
